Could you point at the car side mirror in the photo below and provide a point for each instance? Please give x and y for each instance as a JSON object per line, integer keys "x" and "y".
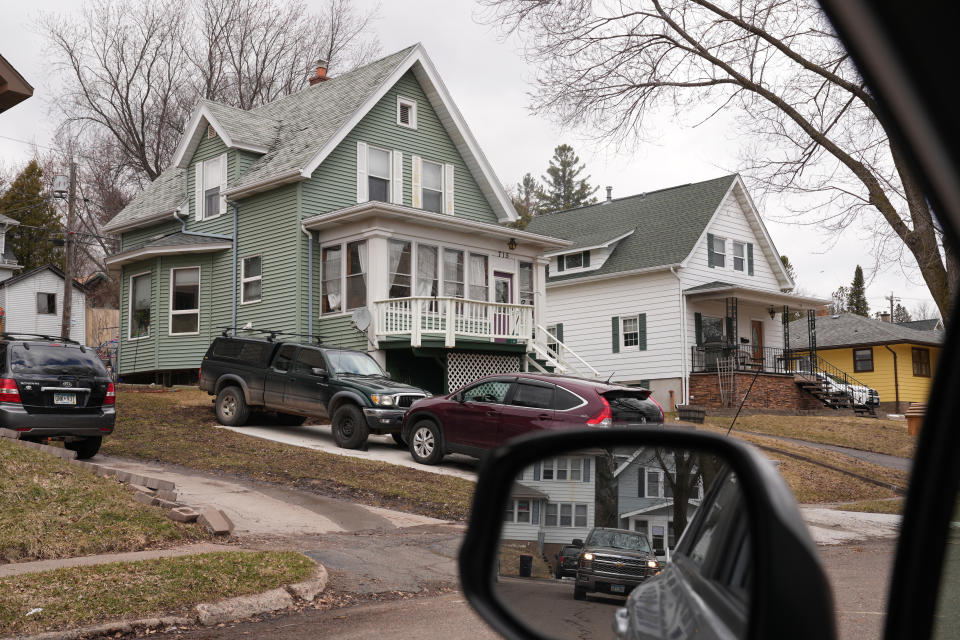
{"x": 319, "y": 372}
{"x": 744, "y": 563}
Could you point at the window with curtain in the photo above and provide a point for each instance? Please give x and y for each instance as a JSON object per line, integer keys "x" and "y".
{"x": 356, "y": 281}
{"x": 140, "y": 294}
{"x": 479, "y": 284}
{"x": 453, "y": 273}
{"x": 400, "y": 265}
{"x": 432, "y": 186}
{"x": 378, "y": 174}
{"x": 526, "y": 283}
{"x": 185, "y": 300}
{"x": 428, "y": 272}
{"x": 331, "y": 259}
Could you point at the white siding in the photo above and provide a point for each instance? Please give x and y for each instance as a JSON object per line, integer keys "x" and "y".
{"x": 732, "y": 223}
{"x": 578, "y": 492}
{"x": 585, "y": 311}
{"x": 21, "y": 307}
{"x": 746, "y": 312}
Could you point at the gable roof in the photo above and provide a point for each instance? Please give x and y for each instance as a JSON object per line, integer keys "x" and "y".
{"x": 929, "y": 324}
{"x": 297, "y": 132}
{"x": 14, "y": 89}
{"x": 850, "y": 329}
{"x": 671, "y": 222}
{"x": 32, "y": 272}
{"x": 159, "y": 200}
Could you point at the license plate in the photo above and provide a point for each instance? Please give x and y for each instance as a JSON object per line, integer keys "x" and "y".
{"x": 64, "y": 398}
{"x": 617, "y": 588}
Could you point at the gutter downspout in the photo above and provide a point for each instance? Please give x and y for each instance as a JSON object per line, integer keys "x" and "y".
{"x": 303, "y": 228}
{"x": 896, "y": 376}
{"x": 683, "y": 338}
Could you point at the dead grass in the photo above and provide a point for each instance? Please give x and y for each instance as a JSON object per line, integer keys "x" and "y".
{"x": 52, "y": 509}
{"x": 80, "y": 596}
{"x": 180, "y": 428}
{"x": 868, "y": 434}
{"x": 510, "y": 561}
{"x": 894, "y": 506}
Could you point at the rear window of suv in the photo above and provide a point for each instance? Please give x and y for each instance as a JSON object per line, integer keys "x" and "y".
{"x": 55, "y": 360}
{"x": 247, "y": 351}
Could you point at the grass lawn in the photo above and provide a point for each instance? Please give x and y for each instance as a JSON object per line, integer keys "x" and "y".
{"x": 180, "y": 428}
{"x": 874, "y": 506}
{"x": 868, "y": 434}
{"x": 52, "y": 509}
{"x": 81, "y": 596}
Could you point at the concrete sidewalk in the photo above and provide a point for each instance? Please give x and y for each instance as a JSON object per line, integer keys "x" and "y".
{"x": 831, "y": 526}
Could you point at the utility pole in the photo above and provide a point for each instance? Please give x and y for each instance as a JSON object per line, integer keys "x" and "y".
{"x": 892, "y": 299}
{"x": 68, "y": 247}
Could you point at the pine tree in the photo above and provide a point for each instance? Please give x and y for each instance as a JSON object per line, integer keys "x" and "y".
{"x": 525, "y": 201}
{"x": 857, "y": 295}
{"x": 564, "y": 189}
{"x": 900, "y": 314}
{"x": 25, "y": 202}
{"x": 788, "y": 267}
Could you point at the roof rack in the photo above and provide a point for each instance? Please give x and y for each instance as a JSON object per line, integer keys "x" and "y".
{"x": 271, "y": 334}
{"x": 16, "y": 335}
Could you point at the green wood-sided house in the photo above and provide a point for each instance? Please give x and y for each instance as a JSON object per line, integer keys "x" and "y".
{"x": 362, "y": 191}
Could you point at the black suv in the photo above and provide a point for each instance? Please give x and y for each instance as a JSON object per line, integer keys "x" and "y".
{"x": 298, "y": 381}
{"x": 55, "y": 389}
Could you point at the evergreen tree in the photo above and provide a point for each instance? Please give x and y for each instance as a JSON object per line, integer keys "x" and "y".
{"x": 525, "y": 200}
{"x": 900, "y": 314}
{"x": 857, "y": 295}
{"x": 564, "y": 189}
{"x": 40, "y": 222}
{"x": 788, "y": 266}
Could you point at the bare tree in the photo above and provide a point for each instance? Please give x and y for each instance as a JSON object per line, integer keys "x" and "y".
{"x": 923, "y": 310}
{"x": 777, "y": 65}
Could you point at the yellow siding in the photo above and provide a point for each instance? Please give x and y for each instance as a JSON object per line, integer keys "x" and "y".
{"x": 912, "y": 388}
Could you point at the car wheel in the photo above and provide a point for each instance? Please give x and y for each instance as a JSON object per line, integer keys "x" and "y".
{"x": 425, "y": 442}
{"x": 350, "y": 428}
{"x": 232, "y": 409}
{"x": 86, "y": 448}
{"x": 399, "y": 439}
{"x": 289, "y": 420}
{"x": 579, "y": 593}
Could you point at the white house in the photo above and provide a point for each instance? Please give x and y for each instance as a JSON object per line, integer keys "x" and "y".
{"x": 657, "y": 286}
{"x": 33, "y": 303}
{"x": 8, "y": 261}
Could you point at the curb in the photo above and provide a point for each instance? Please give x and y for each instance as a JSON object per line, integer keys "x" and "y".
{"x": 206, "y": 614}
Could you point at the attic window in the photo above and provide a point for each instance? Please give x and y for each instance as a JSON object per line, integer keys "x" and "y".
{"x": 211, "y": 132}
{"x": 406, "y": 112}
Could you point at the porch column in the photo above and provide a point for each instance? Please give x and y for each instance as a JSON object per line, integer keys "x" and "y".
{"x": 539, "y": 295}
{"x": 785, "y": 318}
{"x": 378, "y": 286}
{"x": 733, "y": 331}
{"x": 812, "y": 332}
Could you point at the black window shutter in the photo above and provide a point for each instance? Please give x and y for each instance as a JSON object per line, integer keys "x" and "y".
{"x": 710, "y": 262}
{"x": 749, "y": 259}
{"x": 559, "y": 331}
{"x": 615, "y": 333}
{"x": 641, "y": 483}
{"x": 559, "y": 263}
{"x": 642, "y": 330}
{"x": 586, "y": 469}
{"x": 698, "y": 327}
{"x": 586, "y": 258}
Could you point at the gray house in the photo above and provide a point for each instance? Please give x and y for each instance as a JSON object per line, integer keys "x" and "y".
{"x": 359, "y": 209}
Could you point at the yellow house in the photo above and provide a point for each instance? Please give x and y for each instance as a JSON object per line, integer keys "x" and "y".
{"x": 894, "y": 359}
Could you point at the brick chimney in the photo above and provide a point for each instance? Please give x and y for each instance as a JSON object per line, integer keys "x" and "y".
{"x": 885, "y": 317}
{"x": 321, "y": 73}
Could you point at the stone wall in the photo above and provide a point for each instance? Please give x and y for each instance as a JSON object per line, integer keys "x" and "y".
{"x": 770, "y": 391}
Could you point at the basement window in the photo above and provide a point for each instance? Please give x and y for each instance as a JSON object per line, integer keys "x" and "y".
{"x": 406, "y": 112}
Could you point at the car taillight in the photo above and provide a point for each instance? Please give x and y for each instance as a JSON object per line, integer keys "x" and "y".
{"x": 604, "y": 418}
{"x": 111, "y": 397}
{"x": 9, "y": 391}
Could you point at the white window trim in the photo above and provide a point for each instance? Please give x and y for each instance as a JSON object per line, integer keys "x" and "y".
{"x": 726, "y": 264}
{"x": 516, "y": 511}
{"x": 443, "y": 184}
{"x": 343, "y": 277}
{"x": 568, "y": 469}
{"x": 200, "y": 191}
{"x": 130, "y": 305}
{"x": 184, "y": 312}
{"x": 734, "y": 256}
{"x": 244, "y": 279}
{"x": 413, "y": 112}
{"x": 623, "y": 342}
{"x": 390, "y": 178}
{"x": 573, "y": 515}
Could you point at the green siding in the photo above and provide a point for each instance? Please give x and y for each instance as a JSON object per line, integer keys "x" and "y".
{"x": 334, "y": 184}
{"x": 137, "y": 355}
{"x": 210, "y": 148}
{"x": 242, "y": 162}
{"x": 337, "y": 331}
{"x": 132, "y": 239}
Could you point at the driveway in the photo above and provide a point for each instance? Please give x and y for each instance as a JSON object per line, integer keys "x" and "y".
{"x": 379, "y": 448}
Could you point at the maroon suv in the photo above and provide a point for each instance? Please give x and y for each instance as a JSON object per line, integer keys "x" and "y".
{"x": 492, "y": 410}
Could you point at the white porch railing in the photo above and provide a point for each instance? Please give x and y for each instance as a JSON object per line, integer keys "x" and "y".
{"x": 415, "y": 317}
{"x": 563, "y": 359}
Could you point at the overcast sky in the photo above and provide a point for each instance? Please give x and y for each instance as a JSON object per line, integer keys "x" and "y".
{"x": 489, "y": 81}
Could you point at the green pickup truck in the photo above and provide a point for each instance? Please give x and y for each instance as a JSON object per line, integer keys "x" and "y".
{"x": 300, "y": 381}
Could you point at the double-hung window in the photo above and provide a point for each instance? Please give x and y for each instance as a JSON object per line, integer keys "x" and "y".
{"x": 400, "y": 263}
{"x": 428, "y": 271}
{"x": 356, "y": 276}
{"x": 432, "y": 186}
{"x": 479, "y": 278}
{"x": 719, "y": 252}
{"x": 378, "y": 174}
{"x": 739, "y": 256}
{"x": 630, "y": 328}
{"x": 518, "y": 511}
{"x": 251, "y": 280}
{"x": 331, "y": 260}
{"x": 211, "y": 180}
{"x": 921, "y": 362}
{"x": 344, "y": 270}
{"x": 863, "y": 359}
{"x": 453, "y": 272}
{"x": 140, "y": 298}
{"x": 185, "y": 301}
{"x": 565, "y": 514}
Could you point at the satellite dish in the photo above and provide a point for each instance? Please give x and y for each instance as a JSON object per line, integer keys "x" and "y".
{"x": 361, "y": 318}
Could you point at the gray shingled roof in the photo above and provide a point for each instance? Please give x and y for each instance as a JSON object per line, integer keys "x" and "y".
{"x": 849, "y": 329}
{"x": 921, "y": 325}
{"x": 597, "y": 238}
{"x": 716, "y": 284}
{"x": 163, "y": 195}
{"x": 295, "y": 128}
{"x": 669, "y": 223}
{"x": 175, "y": 239}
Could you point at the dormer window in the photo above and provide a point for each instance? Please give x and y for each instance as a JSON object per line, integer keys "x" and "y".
{"x": 378, "y": 174}
{"x": 406, "y": 112}
{"x": 578, "y": 260}
{"x": 211, "y": 180}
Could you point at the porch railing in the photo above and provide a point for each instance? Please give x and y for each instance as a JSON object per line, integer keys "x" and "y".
{"x": 416, "y": 317}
